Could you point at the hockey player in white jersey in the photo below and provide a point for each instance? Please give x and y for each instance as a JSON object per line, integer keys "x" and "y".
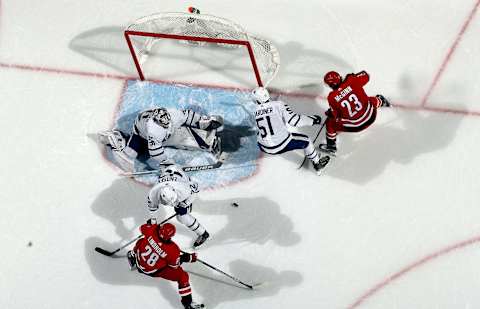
{"x": 174, "y": 188}
{"x": 157, "y": 128}
{"x": 274, "y": 137}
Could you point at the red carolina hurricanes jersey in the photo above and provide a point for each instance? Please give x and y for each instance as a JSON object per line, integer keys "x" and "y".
{"x": 152, "y": 253}
{"x": 349, "y": 102}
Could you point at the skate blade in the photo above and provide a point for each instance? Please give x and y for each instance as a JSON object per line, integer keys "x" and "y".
{"x": 327, "y": 152}
{"x": 193, "y": 248}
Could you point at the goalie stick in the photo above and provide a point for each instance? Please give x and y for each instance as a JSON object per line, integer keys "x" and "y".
{"x": 110, "y": 253}
{"x": 194, "y": 168}
{"x": 185, "y": 168}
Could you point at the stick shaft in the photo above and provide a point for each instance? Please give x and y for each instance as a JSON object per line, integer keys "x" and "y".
{"x": 224, "y": 273}
{"x": 110, "y": 253}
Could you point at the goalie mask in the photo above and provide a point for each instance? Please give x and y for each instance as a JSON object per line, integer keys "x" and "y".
{"x": 261, "y": 95}
{"x": 168, "y": 196}
{"x": 161, "y": 117}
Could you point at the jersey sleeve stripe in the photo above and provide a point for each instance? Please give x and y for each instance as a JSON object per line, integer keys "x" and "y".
{"x": 287, "y": 139}
{"x": 291, "y": 120}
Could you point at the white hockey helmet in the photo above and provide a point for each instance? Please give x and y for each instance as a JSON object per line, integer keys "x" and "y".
{"x": 168, "y": 195}
{"x": 172, "y": 169}
{"x": 261, "y": 94}
{"x": 161, "y": 117}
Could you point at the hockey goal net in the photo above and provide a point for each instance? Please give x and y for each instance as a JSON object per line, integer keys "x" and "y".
{"x": 197, "y": 31}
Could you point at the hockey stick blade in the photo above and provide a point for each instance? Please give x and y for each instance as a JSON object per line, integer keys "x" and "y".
{"x": 194, "y": 168}
{"x": 103, "y": 251}
{"x": 259, "y": 285}
{"x": 203, "y": 167}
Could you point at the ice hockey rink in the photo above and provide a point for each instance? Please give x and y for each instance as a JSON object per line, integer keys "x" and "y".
{"x": 393, "y": 222}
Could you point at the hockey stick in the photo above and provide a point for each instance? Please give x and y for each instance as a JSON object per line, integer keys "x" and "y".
{"x": 314, "y": 140}
{"x": 194, "y": 168}
{"x": 110, "y": 253}
{"x": 224, "y": 273}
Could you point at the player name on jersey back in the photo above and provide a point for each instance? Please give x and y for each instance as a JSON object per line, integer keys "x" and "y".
{"x": 156, "y": 247}
{"x": 168, "y": 178}
{"x": 263, "y": 111}
{"x": 343, "y": 94}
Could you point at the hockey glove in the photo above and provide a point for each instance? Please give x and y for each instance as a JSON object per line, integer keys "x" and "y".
{"x": 179, "y": 210}
{"x": 188, "y": 258}
{"x": 152, "y": 221}
{"x": 317, "y": 119}
{"x": 329, "y": 113}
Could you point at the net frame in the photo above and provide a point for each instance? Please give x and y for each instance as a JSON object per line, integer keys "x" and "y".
{"x": 252, "y": 43}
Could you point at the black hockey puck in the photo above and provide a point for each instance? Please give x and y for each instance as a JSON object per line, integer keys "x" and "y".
{"x": 234, "y": 204}
{"x": 29, "y": 244}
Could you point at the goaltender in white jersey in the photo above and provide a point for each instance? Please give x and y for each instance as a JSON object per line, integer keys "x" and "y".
{"x": 174, "y": 188}
{"x": 157, "y": 128}
{"x": 274, "y": 137}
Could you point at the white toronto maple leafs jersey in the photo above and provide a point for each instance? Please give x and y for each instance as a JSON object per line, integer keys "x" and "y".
{"x": 177, "y": 179}
{"x": 273, "y": 119}
{"x": 155, "y": 134}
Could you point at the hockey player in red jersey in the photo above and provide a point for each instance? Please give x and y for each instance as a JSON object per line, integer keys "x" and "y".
{"x": 351, "y": 109}
{"x": 156, "y": 255}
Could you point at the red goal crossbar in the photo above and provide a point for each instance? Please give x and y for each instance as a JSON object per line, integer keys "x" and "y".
{"x": 247, "y": 44}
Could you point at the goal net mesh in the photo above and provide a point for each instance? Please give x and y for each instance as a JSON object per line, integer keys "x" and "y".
{"x": 200, "y": 30}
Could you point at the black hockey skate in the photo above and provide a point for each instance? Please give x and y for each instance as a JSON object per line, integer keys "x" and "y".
{"x": 189, "y": 304}
{"x": 132, "y": 260}
{"x": 321, "y": 164}
{"x": 384, "y": 101}
{"x": 194, "y": 305}
{"x": 201, "y": 239}
{"x": 329, "y": 149}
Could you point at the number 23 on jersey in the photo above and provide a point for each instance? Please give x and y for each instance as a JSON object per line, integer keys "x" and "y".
{"x": 352, "y": 104}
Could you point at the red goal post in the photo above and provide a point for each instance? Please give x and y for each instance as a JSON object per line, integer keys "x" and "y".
{"x": 198, "y": 30}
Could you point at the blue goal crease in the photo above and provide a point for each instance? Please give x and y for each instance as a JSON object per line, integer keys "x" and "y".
{"x": 239, "y": 139}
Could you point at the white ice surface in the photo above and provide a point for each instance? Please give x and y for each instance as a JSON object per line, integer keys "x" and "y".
{"x": 407, "y": 192}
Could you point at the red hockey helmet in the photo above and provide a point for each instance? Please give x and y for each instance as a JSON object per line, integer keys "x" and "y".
{"x": 166, "y": 231}
{"x": 332, "y": 79}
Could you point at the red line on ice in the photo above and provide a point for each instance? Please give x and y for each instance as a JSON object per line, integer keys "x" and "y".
{"x": 449, "y": 54}
{"x": 62, "y": 71}
{"x": 288, "y": 94}
{"x": 381, "y": 285}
